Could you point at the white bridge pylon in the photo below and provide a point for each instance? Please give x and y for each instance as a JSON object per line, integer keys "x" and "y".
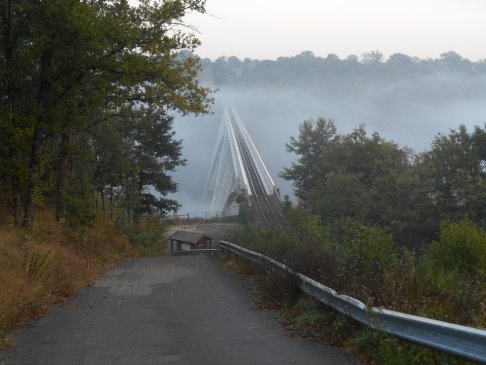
{"x": 228, "y": 177}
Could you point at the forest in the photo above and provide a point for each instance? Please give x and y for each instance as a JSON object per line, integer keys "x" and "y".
{"x": 88, "y": 94}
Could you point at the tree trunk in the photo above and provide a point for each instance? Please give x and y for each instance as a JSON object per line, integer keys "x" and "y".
{"x": 103, "y": 206}
{"x": 137, "y": 205}
{"x": 34, "y": 173}
{"x": 111, "y": 207}
{"x": 8, "y": 50}
{"x": 38, "y": 138}
{"x": 62, "y": 177}
{"x": 15, "y": 195}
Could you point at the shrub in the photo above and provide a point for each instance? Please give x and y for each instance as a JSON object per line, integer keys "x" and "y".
{"x": 454, "y": 272}
{"x": 79, "y": 210}
{"x": 149, "y": 235}
{"x": 460, "y": 253}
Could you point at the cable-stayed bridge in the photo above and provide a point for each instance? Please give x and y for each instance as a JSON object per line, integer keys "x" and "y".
{"x": 238, "y": 177}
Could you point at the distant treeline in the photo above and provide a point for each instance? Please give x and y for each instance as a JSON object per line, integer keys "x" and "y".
{"x": 332, "y": 75}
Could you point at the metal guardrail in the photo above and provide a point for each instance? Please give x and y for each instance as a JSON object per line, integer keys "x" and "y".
{"x": 197, "y": 251}
{"x": 464, "y": 342}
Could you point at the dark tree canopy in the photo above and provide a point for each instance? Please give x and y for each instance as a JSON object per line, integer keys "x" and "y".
{"x": 86, "y": 81}
{"x": 377, "y": 182}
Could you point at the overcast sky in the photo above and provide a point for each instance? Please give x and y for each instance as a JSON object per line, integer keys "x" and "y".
{"x": 267, "y": 29}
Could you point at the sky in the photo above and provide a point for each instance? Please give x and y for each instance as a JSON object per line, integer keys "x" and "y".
{"x": 268, "y": 29}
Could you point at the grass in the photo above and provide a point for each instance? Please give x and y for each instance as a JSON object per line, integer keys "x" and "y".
{"x": 50, "y": 263}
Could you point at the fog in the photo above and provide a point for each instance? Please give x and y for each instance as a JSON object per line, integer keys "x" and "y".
{"x": 409, "y": 111}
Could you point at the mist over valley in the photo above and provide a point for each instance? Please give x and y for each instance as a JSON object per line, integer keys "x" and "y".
{"x": 404, "y": 99}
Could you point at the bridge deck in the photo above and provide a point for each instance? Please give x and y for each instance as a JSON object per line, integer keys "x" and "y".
{"x": 246, "y": 176}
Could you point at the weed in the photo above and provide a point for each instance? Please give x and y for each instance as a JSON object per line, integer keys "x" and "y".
{"x": 37, "y": 264}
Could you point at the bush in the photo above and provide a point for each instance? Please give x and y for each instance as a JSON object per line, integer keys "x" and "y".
{"x": 149, "y": 235}
{"x": 79, "y": 209}
{"x": 454, "y": 271}
{"x": 376, "y": 271}
{"x": 461, "y": 252}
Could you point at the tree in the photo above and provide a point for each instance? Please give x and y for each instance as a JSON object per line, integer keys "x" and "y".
{"x": 79, "y": 63}
{"x": 400, "y": 59}
{"x": 372, "y": 57}
{"x": 453, "y": 59}
{"x": 362, "y": 177}
{"x": 313, "y": 145}
{"x": 14, "y": 99}
{"x": 455, "y": 168}
{"x": 153, "y": 152}
{"x": 479, "y": 142}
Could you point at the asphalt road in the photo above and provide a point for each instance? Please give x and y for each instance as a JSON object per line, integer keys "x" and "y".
{"x": 170, "y": 310}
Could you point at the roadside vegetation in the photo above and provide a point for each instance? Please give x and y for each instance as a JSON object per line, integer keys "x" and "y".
{"x": 384, "y": 225}
{"x": 50, "y": 262}
{"x": 446, "y": 282}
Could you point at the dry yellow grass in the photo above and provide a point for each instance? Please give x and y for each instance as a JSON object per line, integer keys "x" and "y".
{"x": 49, "y": 263}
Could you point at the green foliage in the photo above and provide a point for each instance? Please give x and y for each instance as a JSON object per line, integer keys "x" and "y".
{"x": 313, "y": 147}
{"x": 461, "y": 250}
{"x": 455, "y": 266}
{"x": 38, "y": 197}
{"x": 79, "y": 206}
{"x": 287, "y": 205}
{"x": 375, "y": 181}
{"x": 149, "y": 236}
{"x": 70, "y": 66}
{"x": 308, "y": 230}
{"x": 134, "y": 152}
{"x": 454, "y": 171}
{"x": 368, "y": 248}
{"x": 369, "y": 264}
{"x": 79, "y": 212}
{"x": 309, "y": 311}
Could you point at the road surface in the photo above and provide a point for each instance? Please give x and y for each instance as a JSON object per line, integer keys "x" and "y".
{"x": 169, "y": 310}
